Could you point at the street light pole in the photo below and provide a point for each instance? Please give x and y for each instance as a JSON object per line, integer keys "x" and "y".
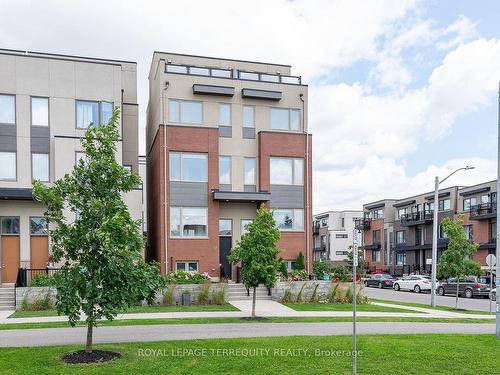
{"x": 498, "y": 226}
{"x": 435, "y": 231}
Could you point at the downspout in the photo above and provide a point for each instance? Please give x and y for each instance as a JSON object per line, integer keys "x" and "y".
{"x": 165, "y": 213}
{"x": 307, "y": 210}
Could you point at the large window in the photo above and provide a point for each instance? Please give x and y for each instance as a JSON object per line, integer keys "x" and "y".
{"x": 244, "y": 223}
{"x": 8, "y": 170}
{"x": 468, "y": 232}
{"x": 285, "y": 119}
{"x": 402, "y": 212}
{"x": 225, "y": 114}
{"x": 186, "y": 266}
{"x": 38, "y": 226}
{"x": 375, "y": 255}
{"x": 286, "y": 171}
{"x": 444, "y": 205}
{"x": 39, "y": 111}
{"x": 400, "y": 259}
{"x": 249, "y": 171}
{"x": 185, "y": 111}
{"x": 91, "y": 112}
{"x": 248, "y": 116}
{"x": 188, "y": 167}
{"x": 188, "y": 222}
{"x": 9, "y": 225}
{"x": 400, "y": 236}
{"x": 289, "y": 219}
{"x": 225, "y": 170}
{"x": 40, "y": 167}
{"x": 7, "y": 109}
{"x": 470, "y": 203}
{"x": 225, "y": 227}
{"x": 378, "y": 214}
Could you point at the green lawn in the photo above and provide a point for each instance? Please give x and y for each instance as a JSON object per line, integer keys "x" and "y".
{"x": 129, "y": 322}
{"x": 138, "y": 309}
{"x": 378, "y": 354}
{"x": 441, "y": 308}
{"x": 343, "y": 307}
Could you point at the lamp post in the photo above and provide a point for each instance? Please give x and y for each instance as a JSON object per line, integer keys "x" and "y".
{"x": 437, "y": 182}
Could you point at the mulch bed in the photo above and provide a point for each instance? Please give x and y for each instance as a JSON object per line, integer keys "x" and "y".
{"x": 81, "y": 356}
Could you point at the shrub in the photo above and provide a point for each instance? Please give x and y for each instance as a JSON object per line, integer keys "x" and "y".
{"x": 320, "y": 269}
{"x": 42, "y": 280}
{"x": 299, "y": 262}
{"x": 314, "y": 296}
{"x": 335, "y": 294}
{"x": 287, "y": 296}
{"x": 218, "y": 296}
{"x": 349, "y": 294}
{"x": 181, "y": 277}
{"x": 39, "y": 303}
{"x": 298, "y": 275}
{"x": 169, "y": 295}
{"x": 203, "y": 296}
{"x": 282, "y": 269}
{"x": 299, "y": 298}
{"x": 340, "y": 273}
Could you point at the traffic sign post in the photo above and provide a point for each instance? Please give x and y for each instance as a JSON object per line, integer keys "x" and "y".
{"x": 354, "y": 297}
{"x": 491, "y": 261}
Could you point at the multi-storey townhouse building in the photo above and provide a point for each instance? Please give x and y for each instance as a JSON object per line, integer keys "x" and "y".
{"x": 333, "y": 235}
{"x": 223, "y": 137}
{"x": 478, "y": 204}
{"x": 378, "y": 226}
{"x": 46, "y": 103}
{"x": 413, "y": 227}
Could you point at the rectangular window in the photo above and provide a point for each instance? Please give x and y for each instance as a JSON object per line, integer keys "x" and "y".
{"x": 286, "y": 171}
{"x": 470, "y": 203}
{"x": 225, "y": 227}
{"x": 444, "y": 205}
{"x": 342, "y": 222}
{"x": 378, "y": 214}
{"x": 290, "y": 265}
{"x": 86, "y": 113}
{"x": 324, "y": 222}
{"x": 8, "y": 109}
{"x": 468, "y": 232}
{"x": 225, "y": 170}
{"x": 38, "y": 226}
{"x": 225, "y": 114}
{"x": 188, "y": 222}
{"x": 80, "y": 155}
{"x": 341, "y": 236}
{"x": 40, "y": 167}
{"x": 289, "y": 219}
{"x": 400, "y": 236}
{"x": 485, "y": 198}
{"x": 8, "y": 170}
{"x": 39, "y": 111}
{"x": 176, "y": 69}
{"x": 249, "y": 171}
{"x": 375, "y": 255}
{"x": 106, "y": 112}
{"x": 199, "y": 71}
{"x": 376, "y": 236}
{"x": 221, "y": 73}
{"x": 244, "y": 223}
{"x": 185, "y": 111}
{"x": 402, "y": 212}
{"x": 188, "y": 167}
{"x": 285, "y": 119}
{"x": 186, "y": 266}
{"x": 248, "y": 116}
{"x": 493, "y": 232}
{"x": 249, "y": 76}
{"x": 341, "y": 253}
{"x": 442, "y": 233}
{"x": 401, "y": 259}
{"x": 10, "y": 225}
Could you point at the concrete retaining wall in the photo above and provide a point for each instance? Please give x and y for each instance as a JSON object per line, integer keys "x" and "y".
{"x": 323, "y": 287}
{"x": 194, "y": 290}
{"x": 32, "y": 293}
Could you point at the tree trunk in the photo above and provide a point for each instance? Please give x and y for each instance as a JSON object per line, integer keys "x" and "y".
{"x": 456, "y": 297}
{"x": 253, "y": 302}
{"x": 88, "y": 345}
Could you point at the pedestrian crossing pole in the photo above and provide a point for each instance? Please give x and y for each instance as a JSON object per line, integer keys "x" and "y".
{"x": 497, "y": 276}
{"x": 354, "y": 298}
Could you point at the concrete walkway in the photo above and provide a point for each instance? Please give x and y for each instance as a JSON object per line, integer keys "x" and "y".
{"x": 167, "y": 332}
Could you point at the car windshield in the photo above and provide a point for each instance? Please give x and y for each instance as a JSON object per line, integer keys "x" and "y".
{"x": 386, "y": 276}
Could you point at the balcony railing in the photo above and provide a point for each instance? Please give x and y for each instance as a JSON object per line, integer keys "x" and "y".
{"x": 362, "y": 223}
{"x": 233, "y": 74}
{"x": 483, "y": 211}
{"x": 419, "y": 217}
{"x": 320, "y": 248}
{"x": 316, "y": 229}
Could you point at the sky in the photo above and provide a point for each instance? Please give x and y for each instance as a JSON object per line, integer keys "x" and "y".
{"x": 399, "y": 90}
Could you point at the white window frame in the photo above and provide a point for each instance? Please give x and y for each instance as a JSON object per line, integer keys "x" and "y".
{"x": 181, "y": 230}
{"x": 186, "y": 265}
{"x": 48, "y": 111}
{"x": 293, "y": 174}
{"x": 181, "y": 154}
{"x": 290, "y": 111}
{"x": 15, "y": 166}
{"x": 99, "y": 111}
{"x": 180, "y": 103}
{"x": 33, "y": 165}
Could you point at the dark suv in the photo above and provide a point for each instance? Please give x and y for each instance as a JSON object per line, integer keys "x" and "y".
{"x": 469, "y": 287}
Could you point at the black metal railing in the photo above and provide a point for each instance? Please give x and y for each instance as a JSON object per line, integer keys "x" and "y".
{"x": 362, "y": 223}
{"x": 401, "y": 270}
{"x": 419, "y": 216}
{"x": 316, "y": 229}
{"x": 26, "y": 275}
{"x": 482, "y": 209}
{"x": 320, "y": 248}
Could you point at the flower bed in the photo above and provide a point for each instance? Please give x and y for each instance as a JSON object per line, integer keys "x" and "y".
{"x": 181, "y": 277}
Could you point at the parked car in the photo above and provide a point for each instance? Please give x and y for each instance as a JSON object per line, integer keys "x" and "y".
{"x": 416, "y": 283}
{"x": 381, "y": 280}
{"x": 469, "y": 287}
{"x": 493, "y": 294}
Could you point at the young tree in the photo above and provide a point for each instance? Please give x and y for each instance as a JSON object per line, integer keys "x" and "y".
{"x": 299, "y": 262}
{"x": 257, "y": 252}
{"x": 103, "y": 271}
{"x": 361, "y": 260}
{"x": 456, "y": 260}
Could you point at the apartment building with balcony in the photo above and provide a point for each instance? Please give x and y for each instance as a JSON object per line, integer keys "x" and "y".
{"x": 377, "y": 224}
{"x": 334, "y": 233}
{"x": 478, "y": 204}
{"x": 46, "y": 103}
{"x": 223, "y": 137}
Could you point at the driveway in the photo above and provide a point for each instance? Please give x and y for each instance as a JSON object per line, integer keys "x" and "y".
{"x": 479, "y": 304}
{"x": 167, "y": 332}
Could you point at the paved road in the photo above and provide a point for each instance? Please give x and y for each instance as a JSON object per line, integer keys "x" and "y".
{"x": 479, "y": 304}
{"x": 63, "y": 336}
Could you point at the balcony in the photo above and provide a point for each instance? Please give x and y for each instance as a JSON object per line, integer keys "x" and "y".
{"x": 375, "y": 245}
{"x": 361, "y": 223}
{"x": 316, "y": 229}
{"x": 441, "y": 244}
{"x": 491, "y": 244}
{"x": 320, "y": 248}
{"x": 417, "y": 218}
{"x": 483, "y": 211}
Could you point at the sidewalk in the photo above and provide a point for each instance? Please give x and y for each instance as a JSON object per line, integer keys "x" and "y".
{"x": 264, "y": 308}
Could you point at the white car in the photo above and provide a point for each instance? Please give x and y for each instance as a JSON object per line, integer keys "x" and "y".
{"x": 493, "y": 294}
{"x": 416, "y": 283}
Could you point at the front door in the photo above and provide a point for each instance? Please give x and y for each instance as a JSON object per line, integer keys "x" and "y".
{"x": 225, "y": 244}
{"x": 10, "y": 246}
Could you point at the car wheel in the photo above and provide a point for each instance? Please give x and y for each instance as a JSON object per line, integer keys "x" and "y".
{"x": 416, "y": 289}
{"x": 397, "y": 287}
{"x": 441, "y": 291}
{"x": 380, "y": 285}
{"x": 468, "y": 293}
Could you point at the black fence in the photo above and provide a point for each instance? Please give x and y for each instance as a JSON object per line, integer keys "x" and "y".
{"x": 26, "y": 275}
{"x": 399, "y": 271}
